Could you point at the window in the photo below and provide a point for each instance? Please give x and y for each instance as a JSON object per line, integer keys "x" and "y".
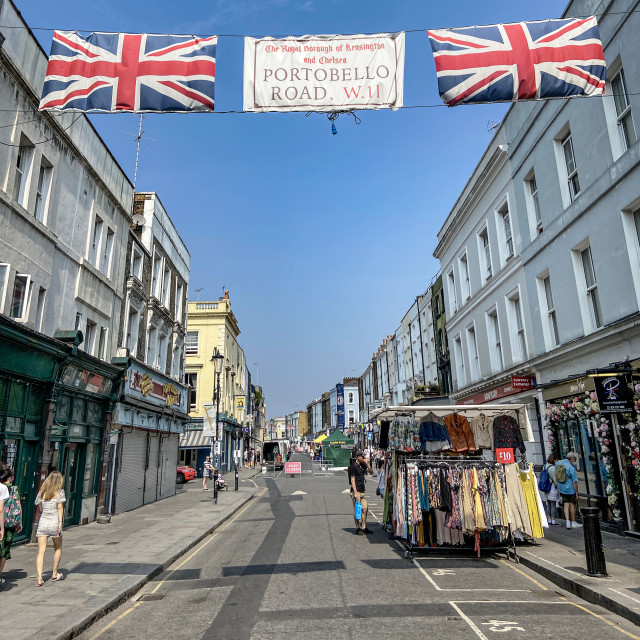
{"x": 570, "y": 164}
{"x": 623, "y": 110}
{"x": 42, "y": 190}
{"x": 519, "y": 344}
{"x": 20, "y": 297}
{"x": 472, "y": 346}
{"x": 4, "y": 278}
{"x": 162, "y": 351}
{"x": 352, "y": 416}
{"x": 23, "y": 170}
{"x": 176, "y": 360}
{"x": 152, "y": 346}
{"x": 350, "y": 400}
{"x": 453, "y": 300}
{"x": 179, "y": 296}
{"x": 485, "y": 254}
{"x": 78, "y": 320}
{"x": 464, "y": 277}
{"x": 551, "y": 312}
{"x": 155, "y": 282}
{"x": 106, "y": 253}
{"x": 42, "y": 293}
{"x": 102, "y": 344}
{"x": 592, "y": 287}
{"x": 191, "y": 379}
{"x": 533, "y": 205}
{"x": 505, "y": 219}
{"x": 191, "y": 343}
{"x": 636, "y": 221}
{"x": 89, "y": 337}
{"x": 459, "y": 362}
{"x": 133, "y": 327}
{"x": 137, "y": 260}
{"x": 166, "y": 282}
{"x": 495, "y": 343}
{"x": 96, "y": 239}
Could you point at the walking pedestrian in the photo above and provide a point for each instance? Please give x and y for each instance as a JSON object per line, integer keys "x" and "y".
{"x": 356, "y": 473}
{"x": 567, "y": 481}
{"x": 10, "y": 516}
{"x": 49, "y": 503}
{"x": 206, "y": 472}
{"x": 551, "y": 497}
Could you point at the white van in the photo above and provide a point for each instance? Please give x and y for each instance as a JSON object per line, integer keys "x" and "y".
{"x": 274, "y": 453}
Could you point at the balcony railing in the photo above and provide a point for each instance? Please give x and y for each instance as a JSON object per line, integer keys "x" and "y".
{"x": 206, "y": 306}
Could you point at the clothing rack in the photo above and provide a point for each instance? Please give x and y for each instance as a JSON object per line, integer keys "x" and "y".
{"x": 437, "y": 461}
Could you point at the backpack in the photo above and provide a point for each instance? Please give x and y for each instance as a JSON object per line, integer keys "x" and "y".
{"x": 12, "y": 515}
{"x": 561, "y": 473}
{"x": 544, "y": 481}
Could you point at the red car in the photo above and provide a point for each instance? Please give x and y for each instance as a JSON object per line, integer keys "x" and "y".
{"x": 185, "y": 474}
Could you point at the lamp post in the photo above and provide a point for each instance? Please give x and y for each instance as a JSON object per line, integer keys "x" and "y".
{"x": 218, "y": 359}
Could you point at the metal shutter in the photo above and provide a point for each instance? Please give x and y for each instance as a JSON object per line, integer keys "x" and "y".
{"x": 169, "y": 460}
{"x": 130, "y": 484}
{"x": 152, "y": 474}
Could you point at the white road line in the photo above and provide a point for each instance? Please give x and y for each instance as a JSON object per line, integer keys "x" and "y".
{"x": 537, "y": 602}
{"x": 469, "y": 621}
{"x": 624, "y": 594}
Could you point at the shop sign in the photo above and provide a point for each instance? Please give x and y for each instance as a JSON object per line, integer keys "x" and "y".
{"x": 240, "y": 403}
{"x": 501, "y": 391}
{"x": 505, "y": 456}
{"x": 614, "y": 394}
{"x": 155, "y": 390}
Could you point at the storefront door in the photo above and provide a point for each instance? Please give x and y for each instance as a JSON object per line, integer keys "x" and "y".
{"x": 72, "y": 468}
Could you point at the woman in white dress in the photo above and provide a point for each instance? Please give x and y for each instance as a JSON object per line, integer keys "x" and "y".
{"x": 49, "y": 503}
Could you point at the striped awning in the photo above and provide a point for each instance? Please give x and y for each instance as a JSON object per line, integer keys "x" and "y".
{"x": 194, "y": 440}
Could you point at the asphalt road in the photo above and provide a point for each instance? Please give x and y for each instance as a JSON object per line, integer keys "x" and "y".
{"x": 289, "y": 565}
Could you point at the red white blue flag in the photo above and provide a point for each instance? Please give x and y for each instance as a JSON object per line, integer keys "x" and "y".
{"x": 130, "y": 72}
{"x": 521, "y": 61}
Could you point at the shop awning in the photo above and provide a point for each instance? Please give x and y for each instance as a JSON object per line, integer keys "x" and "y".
{"x": 320, "y": 438}
{"x": 195, "y": 440}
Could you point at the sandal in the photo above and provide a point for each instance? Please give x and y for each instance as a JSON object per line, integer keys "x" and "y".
{"x": 58, "y": 577}
{"x": 39, "y": 584}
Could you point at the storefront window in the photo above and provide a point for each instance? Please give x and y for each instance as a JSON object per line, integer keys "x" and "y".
{"x": 90, "y": 470}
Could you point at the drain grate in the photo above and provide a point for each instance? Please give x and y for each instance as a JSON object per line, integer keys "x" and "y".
{"x": 151, "y": 596}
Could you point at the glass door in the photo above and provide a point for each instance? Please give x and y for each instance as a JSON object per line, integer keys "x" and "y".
{"x": 72, "y": 469}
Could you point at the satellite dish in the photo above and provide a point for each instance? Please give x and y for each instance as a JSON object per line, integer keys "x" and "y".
{"x": 138, "y": 220}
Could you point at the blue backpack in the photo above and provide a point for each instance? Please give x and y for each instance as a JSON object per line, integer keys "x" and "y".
{"x": 544, "y": 481}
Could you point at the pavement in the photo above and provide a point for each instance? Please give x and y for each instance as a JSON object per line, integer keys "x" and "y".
{"x": 105, "y": 564}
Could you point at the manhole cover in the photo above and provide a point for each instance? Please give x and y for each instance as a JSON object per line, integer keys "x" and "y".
{"x": 151, "y": 596}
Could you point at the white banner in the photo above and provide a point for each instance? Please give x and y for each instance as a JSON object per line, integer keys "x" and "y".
{"x": 324, "y": 73}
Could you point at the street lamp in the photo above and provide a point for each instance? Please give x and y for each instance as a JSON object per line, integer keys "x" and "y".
{"x": 218, "y": 360}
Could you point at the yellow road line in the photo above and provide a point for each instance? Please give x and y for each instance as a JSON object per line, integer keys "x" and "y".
{"x": 196, "y": 552}
{"x": 126, "y": 613}
{"x": 597, "y": 615}
{"x": 522, "y": 573}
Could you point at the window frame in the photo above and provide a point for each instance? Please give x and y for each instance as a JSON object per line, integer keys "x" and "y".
{"x": 496, "y": 354}
{"x": 592, "y": 288}
{"x": 567, "y": 142}
{"x": 95, "y": 241}
{"x": 136, "y": 255}
{"x": 106, "y": 252}
{"x": 626, "y": 111}
{"x": 4, "y": 284}
{"x": 453, "y": 295}
{"x": 465, "y": 281}
{"x": 472, "y": 349}
{"x": 189, "y": 377}
{"x": 484, "y": 251}
{"x": 461, "y": 374}
{"x": 188, "y": 349}
{"x": 90, "y": 336}
{"x": 27, "y": 298}
{"x": 519, "y": 350}
{"x": 21, "y": 189}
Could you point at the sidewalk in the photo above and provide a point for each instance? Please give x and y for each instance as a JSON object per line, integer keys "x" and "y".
{"x": 103, "y": 565}
{"x": 560, "y": 558}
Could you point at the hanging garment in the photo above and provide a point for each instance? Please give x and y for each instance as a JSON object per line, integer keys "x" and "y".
{"x": 528, "y": 482}
{"x": 455, "y": 517}
{"x": 478, "y": 510}
{"x": 433, "y": 433}
{"x": 501, "y": 497}
{"x": 507, "y": 434}
{"x": 468, "y": 519}
{"x": 543, "y": 513}
{"x": 445, "y": 491}
{"x": 517, "y": 500}
{"x": 459, "y": 432}
{"x": 482, "y": 430}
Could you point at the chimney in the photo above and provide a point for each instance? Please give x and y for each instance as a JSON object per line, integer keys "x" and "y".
{"x": 226, "y": 295}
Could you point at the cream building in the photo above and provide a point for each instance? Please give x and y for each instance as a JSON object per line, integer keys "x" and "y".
{"x": 213, "y": 325}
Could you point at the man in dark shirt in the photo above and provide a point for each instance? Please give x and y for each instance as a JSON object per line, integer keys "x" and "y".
{"x": 356, "y": 473}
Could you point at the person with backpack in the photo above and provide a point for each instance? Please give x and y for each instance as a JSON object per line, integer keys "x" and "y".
{"x": 549, "y": 490}
{"x": 567, "y": 482}
{"x": 10, "y": 516}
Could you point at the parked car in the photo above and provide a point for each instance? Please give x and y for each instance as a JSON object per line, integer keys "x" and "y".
{"x": 185, "y": 474}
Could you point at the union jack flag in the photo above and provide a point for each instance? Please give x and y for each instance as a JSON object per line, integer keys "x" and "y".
{"x": 130, "y": 72}
{"x": 521, "y": 61}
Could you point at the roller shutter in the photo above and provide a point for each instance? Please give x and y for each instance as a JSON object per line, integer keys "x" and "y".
{"x": 152, "y": 474}
{"x": 131, "y": 471}
{"x": 169, "y": 460}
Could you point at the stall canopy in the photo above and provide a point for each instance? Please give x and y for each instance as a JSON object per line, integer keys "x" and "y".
{"x": 337, "y": 448}
{"x": 320, "y": 438}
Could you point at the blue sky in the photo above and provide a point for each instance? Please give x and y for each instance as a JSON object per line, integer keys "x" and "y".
{"x": 323, "y": 241}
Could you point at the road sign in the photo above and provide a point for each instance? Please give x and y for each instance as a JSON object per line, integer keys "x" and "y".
{"x": 246, "y": 429}
{"x": 292, "y": 468}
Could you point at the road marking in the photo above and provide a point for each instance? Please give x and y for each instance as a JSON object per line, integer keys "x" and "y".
{"x": 469, "y": 621}
{"x": 522, "y": 573}
{"x": 597, "y": 615}
{"x": 126, "y": 613}
{"x": 347, "y": 491}
{"x": 624, "y": 594}
{"x": 299, "y": 493}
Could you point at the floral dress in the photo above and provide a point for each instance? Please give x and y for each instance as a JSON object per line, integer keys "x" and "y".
{"x": 48, "y": 523}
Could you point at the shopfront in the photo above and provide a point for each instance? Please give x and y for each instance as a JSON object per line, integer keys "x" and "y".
{"x": 604, "y": 439}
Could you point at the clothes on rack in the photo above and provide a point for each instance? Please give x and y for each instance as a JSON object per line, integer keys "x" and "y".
{"x": 460, "y": 434}
{"x": 433, "y": 433}
{"x": 507, "y": 434}
{"x": 482, "y": 430}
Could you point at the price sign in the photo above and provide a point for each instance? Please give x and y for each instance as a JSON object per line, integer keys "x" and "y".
{"x": 505, "y": 456}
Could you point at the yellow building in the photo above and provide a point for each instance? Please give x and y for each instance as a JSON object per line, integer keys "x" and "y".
{"x": 212, "y": 325}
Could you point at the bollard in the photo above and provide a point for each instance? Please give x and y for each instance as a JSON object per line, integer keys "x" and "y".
{"x": 593, "y": 548}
